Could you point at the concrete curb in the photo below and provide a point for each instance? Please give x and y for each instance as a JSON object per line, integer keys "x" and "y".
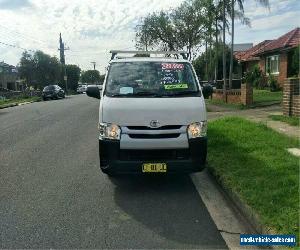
{"x": 250, "y": 215}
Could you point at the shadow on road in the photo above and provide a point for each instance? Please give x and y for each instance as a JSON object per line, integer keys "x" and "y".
{"x": 168, "y": 205}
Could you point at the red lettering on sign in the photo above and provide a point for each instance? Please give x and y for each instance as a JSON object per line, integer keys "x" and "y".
{"x": 179, "y": 66}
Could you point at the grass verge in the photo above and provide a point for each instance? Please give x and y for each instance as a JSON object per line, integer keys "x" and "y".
{"x": 261, "y": 97}
{"x": 15, "y": 101}
{"x": 291, "y": 120}
{"x": 251, "y": 160}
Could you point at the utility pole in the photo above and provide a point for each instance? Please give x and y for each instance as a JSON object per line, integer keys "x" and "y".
{"x": 62, "y": 49}
{"x": 94, "y": 63}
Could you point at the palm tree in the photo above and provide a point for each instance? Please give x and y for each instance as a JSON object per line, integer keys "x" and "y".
{"x": 224, "y": 44}
{"x": 244, "y": 20}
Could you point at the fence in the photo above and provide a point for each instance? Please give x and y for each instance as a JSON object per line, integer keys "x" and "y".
{"x": 7, "y": 94}
{"x": 240, "y": 96}
{"x": 236, "y": 83}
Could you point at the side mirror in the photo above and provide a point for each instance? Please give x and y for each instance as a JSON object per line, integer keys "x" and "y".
{"x": 93, "y": 91}
{"x": 207, "y": 90}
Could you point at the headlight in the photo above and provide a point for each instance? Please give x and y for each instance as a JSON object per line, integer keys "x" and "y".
{"x": 109, "y": 131}
{"x": 197, "y": 129}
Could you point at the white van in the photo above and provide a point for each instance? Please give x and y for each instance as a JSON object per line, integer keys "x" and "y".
{"x": 152, "y": 116}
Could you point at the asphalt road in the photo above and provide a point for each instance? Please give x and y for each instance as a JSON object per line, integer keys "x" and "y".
{"x": 53, "y": 195}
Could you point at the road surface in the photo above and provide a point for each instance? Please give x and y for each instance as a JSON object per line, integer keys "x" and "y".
{"x": 53, "y": 195}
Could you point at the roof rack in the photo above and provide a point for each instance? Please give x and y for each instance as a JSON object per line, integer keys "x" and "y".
{"x": 184, "y": 54}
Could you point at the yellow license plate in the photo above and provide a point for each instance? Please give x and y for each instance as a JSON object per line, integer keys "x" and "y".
{"x": 154, "y": 168}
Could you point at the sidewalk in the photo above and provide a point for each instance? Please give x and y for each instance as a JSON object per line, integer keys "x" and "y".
{"x": 257, "y": 115}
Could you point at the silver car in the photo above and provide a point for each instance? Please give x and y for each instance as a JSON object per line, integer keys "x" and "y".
{"x": 81, "y": 89}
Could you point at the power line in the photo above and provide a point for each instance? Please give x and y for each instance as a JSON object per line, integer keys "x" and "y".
{"x": 23, "y": 36}
{"x": 11, "y": 36}
{"x": 15, "y": 46}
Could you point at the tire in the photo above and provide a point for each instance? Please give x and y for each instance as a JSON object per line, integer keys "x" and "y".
{"x": 44, "y": 99}
{"x": 108, "y": 172}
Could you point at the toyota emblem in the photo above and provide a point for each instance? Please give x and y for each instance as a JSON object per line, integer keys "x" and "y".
{"x": 154, "y": 124}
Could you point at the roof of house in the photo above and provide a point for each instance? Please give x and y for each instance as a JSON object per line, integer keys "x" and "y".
{"x": 242, "y": 46}
{"x": 287, "y": 41}
{"x": 249, "y": 55}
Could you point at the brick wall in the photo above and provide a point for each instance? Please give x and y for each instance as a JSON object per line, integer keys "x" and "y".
{"x": 218, "y": 95}
{"x": 283, "y": 64}
{"x": 246, "y": 94}
{"x": 243, "y": 96}
{"x": 291, "y": 97}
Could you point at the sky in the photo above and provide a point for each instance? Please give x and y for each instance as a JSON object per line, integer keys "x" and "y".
{"x": 91, "y": 28}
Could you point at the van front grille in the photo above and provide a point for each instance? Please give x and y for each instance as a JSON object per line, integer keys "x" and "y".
{"x": 153, "y": 136}
{"x": 156, "y": 155}
{"x": 166, "y": 127}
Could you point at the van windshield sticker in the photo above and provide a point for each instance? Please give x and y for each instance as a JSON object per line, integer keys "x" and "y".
{"x": 126, "y": 90}
{"x": 176, "y": 86}
{"x": 178, "y": 66}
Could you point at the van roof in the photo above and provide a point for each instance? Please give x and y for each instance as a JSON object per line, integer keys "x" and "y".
{"x": 149, "y": 59}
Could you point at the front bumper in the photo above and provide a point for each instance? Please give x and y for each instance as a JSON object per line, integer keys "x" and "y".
{"x": 117, "y": 160}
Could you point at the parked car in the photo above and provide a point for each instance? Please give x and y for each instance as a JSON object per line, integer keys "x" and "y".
{"x": 95, "y": 85}
{"x": 81, "y": 89}
{"x": 53, "y": 92}
{"x": 152, "y": 117}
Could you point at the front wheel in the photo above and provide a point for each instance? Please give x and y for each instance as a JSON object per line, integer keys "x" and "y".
{"x": 108, "y": 172}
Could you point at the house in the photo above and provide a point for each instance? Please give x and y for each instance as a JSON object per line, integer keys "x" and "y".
{"x": 248, "y": 58}
{"x": 272, "y": 56}
{"x": 9, "y": 77}
{"x": 242, "y": 46}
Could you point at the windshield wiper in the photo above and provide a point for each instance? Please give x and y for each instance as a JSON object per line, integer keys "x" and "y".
{"x": 181, "y": 93}
{"x": 142, "y": 93}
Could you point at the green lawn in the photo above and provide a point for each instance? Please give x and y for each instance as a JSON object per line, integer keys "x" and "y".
{"x": 265, "y": 96}
{"x": 251, "y": 160}
{"x": 19, "y": 100}
{"x": 291, "y": 120}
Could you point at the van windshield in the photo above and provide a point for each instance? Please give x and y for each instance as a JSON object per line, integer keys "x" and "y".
{"x": 153, "y": 79}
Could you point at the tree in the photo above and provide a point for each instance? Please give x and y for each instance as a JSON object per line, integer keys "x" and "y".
{"x": 189, "y": 24}
{"x": 90, "y": 76}
{"x": 26, "y": 67}
{"x": 175, "y": 30}
{"x": 73, "y": 75}
{"x": 39, "y": 69}
{"x": 200, "y": 62}
{"x": 102, "y": 77}
{"x": 47, "y": 69}
{"x": 239, "y": 14}
{"x": 156, "y": 30}
{"x": 293, "y": 62}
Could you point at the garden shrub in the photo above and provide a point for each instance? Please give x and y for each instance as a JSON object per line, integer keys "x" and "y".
{"x": 256, "y": 78}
